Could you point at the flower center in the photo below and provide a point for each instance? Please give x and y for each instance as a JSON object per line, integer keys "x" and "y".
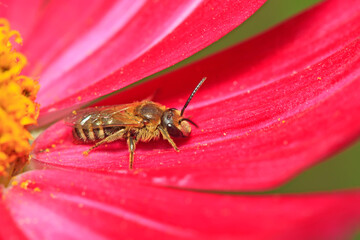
{"x": 17, "y": 106}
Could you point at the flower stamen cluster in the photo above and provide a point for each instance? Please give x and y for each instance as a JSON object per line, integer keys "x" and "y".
{"x": 17, "y": 104}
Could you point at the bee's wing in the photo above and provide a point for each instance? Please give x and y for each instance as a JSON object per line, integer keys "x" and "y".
{"x": 110, "y": 116}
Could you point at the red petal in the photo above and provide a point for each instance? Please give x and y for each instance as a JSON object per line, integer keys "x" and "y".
{"x": 262, "y": 122}
{"x": 22, "y": 15}
{"x": 94, "y": 50}
{"x": 61, "y": 24}
{"x": 78, "y": 205}
{"x": 9, "y": 229}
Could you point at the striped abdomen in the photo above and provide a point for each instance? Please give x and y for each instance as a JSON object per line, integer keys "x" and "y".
{"x": 91, "y": 134}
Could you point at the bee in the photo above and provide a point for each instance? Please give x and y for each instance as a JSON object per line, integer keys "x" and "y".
{"x": 138, "y": 121}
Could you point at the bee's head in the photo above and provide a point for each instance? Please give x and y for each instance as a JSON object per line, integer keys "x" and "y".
{"x": 174, "y": 122}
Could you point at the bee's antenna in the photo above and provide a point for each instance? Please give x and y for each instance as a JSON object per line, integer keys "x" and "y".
{"x": 188, "y": 120}
{"x": 192, "y": 94}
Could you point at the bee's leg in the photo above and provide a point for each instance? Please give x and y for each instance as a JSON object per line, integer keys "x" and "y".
{"x": 113, "y": 137}
{"x": 166, "y": 136}
{"x": 131, "y": 144}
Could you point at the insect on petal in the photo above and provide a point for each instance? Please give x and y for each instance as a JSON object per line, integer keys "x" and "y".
{"x": 263, "y": 118}
{"x": 127, "y": 42}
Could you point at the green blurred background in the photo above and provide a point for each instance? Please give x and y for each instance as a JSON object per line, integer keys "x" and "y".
{"x": 338, "y": 172}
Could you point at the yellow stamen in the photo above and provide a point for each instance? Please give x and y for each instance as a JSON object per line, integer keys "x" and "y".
{"x": 17, "y": 106}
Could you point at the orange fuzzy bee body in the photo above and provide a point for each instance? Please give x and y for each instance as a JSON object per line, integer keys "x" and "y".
{"x": 134, "y": 122}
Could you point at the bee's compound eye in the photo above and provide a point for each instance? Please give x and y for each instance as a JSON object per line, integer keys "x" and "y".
{"x": 167, "y": 119}
{"x": 174, "y": 131}
{"x": 168, "y": 123}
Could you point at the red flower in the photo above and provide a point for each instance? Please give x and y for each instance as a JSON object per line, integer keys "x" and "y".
{"x": 60, "y": 204}
{"x": 270, "y": 108}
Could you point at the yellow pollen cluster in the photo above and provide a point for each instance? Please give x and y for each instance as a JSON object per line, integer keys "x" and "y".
{"x": 17, "y": 106}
